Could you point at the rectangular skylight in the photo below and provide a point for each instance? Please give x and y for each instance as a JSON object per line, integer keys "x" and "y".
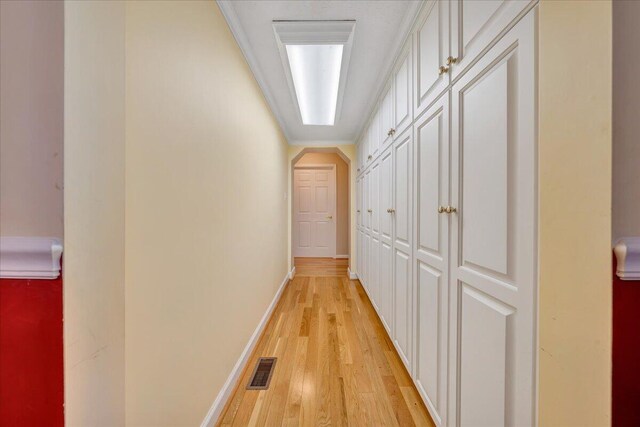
{"x": 315, "y": 56}
{"x": 315, "y": 70}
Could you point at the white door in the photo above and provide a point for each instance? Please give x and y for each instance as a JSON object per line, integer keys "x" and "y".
{"x": 431, "y": 249}
{"x": 402, "y": 232}
{"x": 402, "y": 94}
{"x": 431, "y": 53}
{"x": 475, "y": 24}
{"x": 386, "y": 240}
{"x": 493, "y": 236}
{"x": 314, "y": 211}
{"x": 386, "y": 121}
{"x": 374, "y": 248}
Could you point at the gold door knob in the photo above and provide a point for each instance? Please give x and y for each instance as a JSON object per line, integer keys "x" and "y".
{"x": 392, "y": 210}
{"x": 369, "y": 210}
{"x": 358, "y": 210}
{"x": 451, "y": 60}
{"x": 330, "y": 217}
{"x": 393, "y": 131}
{"x": 450, "y": 209}
{"x": 441, "y": 209}
{"x": 370, "y": 157}
{"x": 443, "y": 70}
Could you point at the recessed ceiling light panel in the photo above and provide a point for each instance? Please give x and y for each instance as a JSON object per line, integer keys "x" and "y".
{"x": 315, "y": 55}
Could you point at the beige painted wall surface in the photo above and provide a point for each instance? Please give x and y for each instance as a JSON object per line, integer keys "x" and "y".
{"x": 342, "y": 194}
{"x": 626, "y": 123}
{"x": 31, "y": 118}
{"x": 575, "y": 213}
{"x": 205, "y": 209}
{"x": 94, "y": 197}
{"x": 349, "y": 151}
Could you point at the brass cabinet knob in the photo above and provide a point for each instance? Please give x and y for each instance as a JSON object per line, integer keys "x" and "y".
{"x": 369, "y": 210}
{"x": 451, "y": 60}
{"x": 370, "y": 157}
{"x": 450, "y": 209}
{"x": 443, "y": 70}
{"x": 358, "y": 210}
{"x": 388, "y": 210}
{"x": 330, "y": 217}
{"x": 441, "y": 209}
{"x": 392, "y": 210}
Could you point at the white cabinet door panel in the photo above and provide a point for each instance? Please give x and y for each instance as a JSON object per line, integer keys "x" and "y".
{"x": 431, "y": 47}
{"x": 476, "y": 24}
{"x": 403, "y": 90}
{"x": 431, "y": 182}
{"x": 402, "y": 298}
{"x": 386, "y": 239}
{"x": 374, "y": 197}
{"x": 493, "y": 253}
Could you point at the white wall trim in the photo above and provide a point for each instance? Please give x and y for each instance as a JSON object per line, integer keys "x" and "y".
{"x": 341, "y": 257}
{"x": 225, "y": 393}
{"x": 321, "y": 143}
{"x": 30, "y": 257}
{"x": 352, "y": 275}
{"x": 292, "y": 273}
{"x": 627, "y": 250}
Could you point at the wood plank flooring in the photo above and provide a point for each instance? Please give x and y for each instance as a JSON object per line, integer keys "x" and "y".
{"x": 336, "y": 365}
{"x": 321, "y": 267}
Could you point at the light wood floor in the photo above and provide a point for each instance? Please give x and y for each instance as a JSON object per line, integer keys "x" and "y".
{"x": 336, "y": 364}
{"x": 321, "y": 267}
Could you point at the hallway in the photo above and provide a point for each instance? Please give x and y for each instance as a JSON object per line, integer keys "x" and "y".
{"x": 336, "y": 364}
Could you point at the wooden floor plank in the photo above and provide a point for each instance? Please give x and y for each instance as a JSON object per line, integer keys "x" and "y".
{"x": 336, "y": 364}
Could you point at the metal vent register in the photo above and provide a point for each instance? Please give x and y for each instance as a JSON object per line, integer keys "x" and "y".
{"x": 262, "y": 373}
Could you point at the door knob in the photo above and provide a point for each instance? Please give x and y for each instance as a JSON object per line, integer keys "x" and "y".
{"x": 369, "y": 210}
{"x": 451, "y": 60}
{"x": 450, "y": 209}
{"x": 393, "y": 131}
{"x": 391, "y": 210}
{"x": 358, "y": 210}
{"x": 441, "y": 209}
{"x": 443, "y": 70}
{"x": 330, "y": 217}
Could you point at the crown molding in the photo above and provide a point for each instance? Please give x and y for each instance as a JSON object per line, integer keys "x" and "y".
{"x": 322, "y": 143}
{"x": 30, "y": 257}
{"x": 229, "y": 13}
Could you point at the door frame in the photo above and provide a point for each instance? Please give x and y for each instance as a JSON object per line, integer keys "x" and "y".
{"x": 328, "y": 166}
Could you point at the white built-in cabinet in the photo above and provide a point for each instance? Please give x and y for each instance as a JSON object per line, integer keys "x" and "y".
{"x": 446, "y": 210}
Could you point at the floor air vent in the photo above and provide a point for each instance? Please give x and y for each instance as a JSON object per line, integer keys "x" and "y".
{"x": 262, "y": 374}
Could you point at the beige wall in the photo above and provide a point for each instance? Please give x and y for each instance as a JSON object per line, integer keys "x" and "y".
{"x": 31, "y": 117}
{"x": 206, "y": 213}
{"x": 349, "y": 151}
{"x": 575, "y": 213}
{"x": 626, "y": 123}
{"x": 94, "y": 150}
{"x": 342, "y": 194}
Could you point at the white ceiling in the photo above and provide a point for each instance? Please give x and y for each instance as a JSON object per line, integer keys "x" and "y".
{"x": 381, "y": 27}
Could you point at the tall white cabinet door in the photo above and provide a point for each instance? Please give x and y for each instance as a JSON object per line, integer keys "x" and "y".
{"x": 476, "y": 24}
{"x": 366, "y": 203}
{"x": 493, "y": 238}
{"x": 374, "y": 248}
{"x": 431, "y": 52}
{"x": 403, "y": 89}
{"x": 386, "y": 240}
{"x": 386, "y": 116}
{"x": 359, "y": 202}
{"x": 431, "y": 250}
{"x": 374, "y": 134}
{"x": 402, "y": 233}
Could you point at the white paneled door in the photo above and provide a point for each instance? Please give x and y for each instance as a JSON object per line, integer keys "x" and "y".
{"x": 493, "y": 235}
{"x": 431, "y": 250}
{"x": 314, "y": 211}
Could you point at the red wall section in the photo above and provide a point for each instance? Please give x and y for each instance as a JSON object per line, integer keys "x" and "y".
{"x": 626, "y": 352}
{"x": 31, "y": 362}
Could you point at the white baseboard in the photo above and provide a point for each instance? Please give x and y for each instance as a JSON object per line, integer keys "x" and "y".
{"x": 292, "y": 273}
{"x": 352, "y": 275}
{"x": 341, "y": 257}
{"x": 225, "y": 393}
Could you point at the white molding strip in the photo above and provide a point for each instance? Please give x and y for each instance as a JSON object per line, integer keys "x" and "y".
{"x": 341, "y": 257}
{"x": 292, "y": 273}
{"x": 218, "y": 404}
{"x": 352, "y": 275}
{"x": 30, "y": 257}
{"x": 627, "y": 250}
